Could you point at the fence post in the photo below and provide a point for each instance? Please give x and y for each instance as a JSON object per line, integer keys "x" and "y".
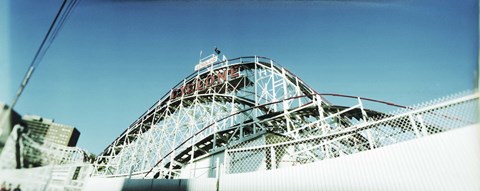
{"x": 217, "y": 174}
{"x": 226, "y": 162}
{"x": 273, "y": 161}
{"x": 422, "y": 125}
{"x": 414, "y": 125}
{"x": 326, "y": 149}
{"x": 370, "y": 139}
{"x": 364, "y": 114}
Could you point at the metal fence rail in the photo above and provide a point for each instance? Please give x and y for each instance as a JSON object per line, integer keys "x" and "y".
{"x": 414, "y": 122}
{"x": 35, "y": 154}
{"x": 52, "y": 177}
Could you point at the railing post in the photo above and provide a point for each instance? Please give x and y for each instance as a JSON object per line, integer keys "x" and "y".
{"x": 130, "y": 172}
{"x": 323, "y": 123}
{"x": 217, "y": 174}
{"x": 422, "y": 125}
{"x": 217, "y": 168}
{"x": 226, "y": 162}
{"x": 326, "y": 149}
{"x": 364, "y": 114}
{"x": 370, "y": 139}
{"x": 414, "y": 125}
{"x": 273, "y": 161}
{"x": 371, "y": 143}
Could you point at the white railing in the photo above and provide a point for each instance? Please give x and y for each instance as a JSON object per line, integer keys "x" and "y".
{"x": 414, "y": 122}
{"x": 52, "y": 177}
{"x": 38, "y": 154}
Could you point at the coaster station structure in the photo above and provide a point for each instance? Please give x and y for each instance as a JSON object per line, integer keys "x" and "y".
{"x": 242, "y": 103}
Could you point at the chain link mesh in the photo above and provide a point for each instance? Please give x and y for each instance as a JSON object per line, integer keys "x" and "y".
{"x": 272, "y": 151}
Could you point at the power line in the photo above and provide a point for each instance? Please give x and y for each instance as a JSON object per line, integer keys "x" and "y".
{"x": 55, "y": 27}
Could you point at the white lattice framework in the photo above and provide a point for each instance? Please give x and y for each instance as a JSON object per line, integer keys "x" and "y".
{"x": 247, "y": 97}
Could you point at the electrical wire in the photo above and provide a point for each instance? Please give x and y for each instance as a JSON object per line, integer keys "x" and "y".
{"x": 52, "y": 32}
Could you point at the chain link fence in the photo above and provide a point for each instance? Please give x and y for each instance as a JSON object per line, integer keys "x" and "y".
{"x": 272, "y": 151}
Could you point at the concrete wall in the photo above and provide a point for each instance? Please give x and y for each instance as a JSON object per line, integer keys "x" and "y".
{"x": 203, "y": 168}
{"x": 58, "y": 177}
{"x": 117, "y": 184}
{"x": 444, "y": 161}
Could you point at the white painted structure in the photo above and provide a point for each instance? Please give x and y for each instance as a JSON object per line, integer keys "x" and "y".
{"x": 444, "y": 161}
{"x": 249, "y": 124}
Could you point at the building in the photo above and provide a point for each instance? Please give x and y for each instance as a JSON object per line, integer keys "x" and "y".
{"x": 44, "y": 129}
{"x": 35, "y": 141}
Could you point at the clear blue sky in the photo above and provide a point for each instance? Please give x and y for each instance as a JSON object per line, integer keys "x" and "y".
{"x": 115, "y": 58}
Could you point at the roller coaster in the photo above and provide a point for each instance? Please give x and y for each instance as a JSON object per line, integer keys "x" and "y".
{"x": 249, "y": 114}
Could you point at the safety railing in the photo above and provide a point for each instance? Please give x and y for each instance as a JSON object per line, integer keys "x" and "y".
{"x": 52, "y": 177}
{"x": 37, "y": 154}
